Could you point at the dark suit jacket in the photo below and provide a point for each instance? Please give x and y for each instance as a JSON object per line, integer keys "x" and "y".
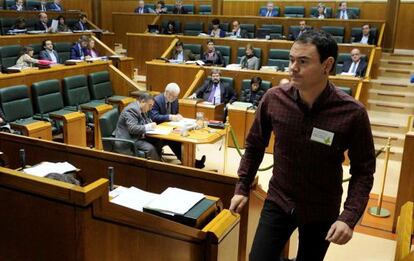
{"x": 263, "y": 12}
{"x": 40, "y": 27}
{"x": 360, "y": 71}
{"x": 351, "y": 14}
{"x": 182, "y": 10}
{"x": 246, "y": 95}
{"x": 78, "y": 27}
{"x": 158, "y": 112}
{"x": 371, "y": 38}
{"x": 77, "y": 52}
{"x": 243, "y": 33}
{"x": 14, "y": 7}
{"x": 219, "y": 61}
{"x": 54, "y": 7}
{"x": 295, "y": 34}
{"x": 187, "y": 55}
{"x": 222, "y": 33}
{"x": 44, "y": 55}
{"x": 227, "y": 92}
{"x": 146, "y": 10}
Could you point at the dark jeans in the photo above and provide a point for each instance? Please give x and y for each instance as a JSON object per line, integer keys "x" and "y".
{"x": 274, "y": 230}
{"x": 175, "y": 147}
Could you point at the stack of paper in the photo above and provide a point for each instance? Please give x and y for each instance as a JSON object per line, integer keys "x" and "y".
{"x": 133, "y": 198}
{"x": 46, "y": 167}
{"x": 185, "y": 122}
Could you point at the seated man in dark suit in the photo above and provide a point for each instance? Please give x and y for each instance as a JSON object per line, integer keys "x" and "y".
{"x": 77, "y": 52}
{"x": 43, "y": 23}
{"x": 19, "y": 6}
{"x": 270, "y": 11}
{"x": 344, "y": 13}
{"x": 55, "y": 6}
{"x": 356, "y": 66}
{"x": 41, "y": 6}
{"x": 133, "y": 123}
{"x": 166, "y": 109}
{"x": 302, "y": 28}
{"x": 215, "y": 90}
{"x": 141, "y": 9}
{"x": 237, "y": 31}
{"x": 48, "y": 53}
{"x": 181, "y": 55}
{"x": 82, "y": 24}
{"x": 366, "y": 36}
{"x": 179, "y": 8}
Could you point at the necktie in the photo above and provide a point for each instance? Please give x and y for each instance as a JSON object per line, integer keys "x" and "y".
{"x": 212, "y": 94}
{"x": 168, "y": 107}
{"x": 353, "y": 68}
{"x": 82, "y": 28}
{"x": 268, "y": 14}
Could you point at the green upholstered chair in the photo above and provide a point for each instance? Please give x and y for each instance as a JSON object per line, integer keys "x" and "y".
{"x": 30, "y": 23}
{"x": 189, "y": 8}
{"x": 342, "y": 57}
{"x": 314, "y": 12}
{"x": 37, "y": 47}
{"x": 294, "y": 11}
{"x": 279, "y": 58}
{"x": 9, "y": 55}
{"x": 225, "y": 51}
{"x": 241, "y": 51}
{"x": 107, "y": 124}
{"x": 164, "y": 24}
{"x": 336, "y": 31}
{"x": 250, "y": 28}
{"x": 170, "y": 8}
{"x": 33, "y": 4}
{"x": 63, "y": 50}
{"x": 204, "y": 9}
{"x": 193, "y": 28}
{"x": 355, "y": 31}
{"x": 100, "y": 87}
{"x": 70, "y": 22}
{"x": 347, "y": 90}
{"x": 8, "y": 4}
{"x": 276, "y": 30}
{"x": 356, "y": 11}
{"x": 6, "y": 24}
{"x": 196, "y": 49}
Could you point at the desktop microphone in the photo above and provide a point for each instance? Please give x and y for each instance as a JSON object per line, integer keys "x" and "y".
{"x": 111, "y": 178}
{"x": 22, "y": 157}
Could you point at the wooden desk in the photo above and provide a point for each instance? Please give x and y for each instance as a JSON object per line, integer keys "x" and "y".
{"x": 188, "y": 144}
{"x": 74, "y": 127}
{"x": 36, "y": 129}
{"x": 97, "y": 112}
{"x": 79, "y": 223}
{"x": 149, "y": 175}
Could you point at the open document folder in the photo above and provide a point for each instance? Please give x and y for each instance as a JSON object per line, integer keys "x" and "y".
{"x": 44, "y": 168}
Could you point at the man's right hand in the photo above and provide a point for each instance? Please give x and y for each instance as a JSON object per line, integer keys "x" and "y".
{"x": 176, "y": 117}
{"x": 237, "y": 203}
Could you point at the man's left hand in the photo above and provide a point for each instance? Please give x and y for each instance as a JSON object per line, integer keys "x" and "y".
{"x": 339, "y": 233}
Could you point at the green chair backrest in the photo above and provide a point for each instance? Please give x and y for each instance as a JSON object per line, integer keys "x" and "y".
{"x": 356, "y": 11}
{"x": 33, "y": 4}
{"x": 193, "y": 28}
{"x": 8, "y": 4}
{"x": 75, "y": 90}
{"x": 294, "y": 11}
{"x": 225, "y": 51}
{"x": 9, "y": 55}
{"x": 63, "y": 50}
{"x": 100, "y": 86}
{"x": 6, "y": 24}
{"x": 250, "y": 28}
{"x": 241, "y": 51}
{"x": 195, "y": 48}
{"x": 15, "y": 102}
{"x": 279, "y": 58}
{"x": 276, "y": 30}
{"x": 204, "y": 9}
{"x": 46, "y": 96}
{"x": 170, "y": 8}
{"x": 334, "y": 30}
{"x": 30, "y": 23}
{"x": 189, "y": 8}
{"x": 342, "y": 57}
{"x": 108, "y": 122}
{"x": 36, "y": 48}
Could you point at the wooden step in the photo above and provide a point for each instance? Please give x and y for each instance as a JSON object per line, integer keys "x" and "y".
{"x": 392, "y": 107}
{"x": 391, "y": 95}
{"x": 395, "y": 72}
{"x": 386, "y": 122}
{"x": 399, "y": 57}
{"x": 399, "y": 64}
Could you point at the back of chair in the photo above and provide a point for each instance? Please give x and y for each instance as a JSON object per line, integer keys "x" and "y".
{"x": 15, "y": 102}
{"x": 204, "y": 9}
{"x": 9, "y": 3}
{"x": 342, "y": 57}
{"x": 108, "y": 122}
{"x": 294, "y": 11}
{"x": 194, "y": 48}
{"x": 250, "y": 28}
{"x": 63, "y": 50}
{"x": 6, "y": 24}
{"x": 225, "y": 51}
{"x": 241, "y": 51}
{"x": 189, "y": 8}
{"x": 75, "y": 90}
{"x": 36, "y": 48}
{"x": 33, "y": 4}
{"x": 30, "y": 23}
{"x": 193, "y": 28}
{"x": 9, "y": 55}
{"x": 279, "y": 58}
{"x": 276, "y": 30}
{"x": 355, "y": 10}
{"x": 46, "y": 96}
{"x": 100, "y": 86}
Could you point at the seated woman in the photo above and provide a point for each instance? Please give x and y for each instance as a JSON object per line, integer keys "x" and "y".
{"x": 160, "y": 8}
{"x": 26, "y": 59}
{"x": 249, "y": 61}
{"x": 254, "y": 93}
{"x": 62, "y": 27}
{"x": 213, "y": 56}
{"x": 90, "y": 49}
{"x": 216, "y": 31}
{"x": 19, "y": 26}
{"x": 171, "y": 29}
{"x": 321, "y": 12}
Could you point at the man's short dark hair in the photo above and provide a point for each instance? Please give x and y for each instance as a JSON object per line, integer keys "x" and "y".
{"x": 179, "y": 43}
{"x": 44, "y": 42}
{"x": 145, "y": 96}
{"x": 215, "y": 71}
{"x": 369, "y": 26}
{"x": 215, "y": 21}
{"x": 324, "y": 42}
{"x": 82, "y": 16}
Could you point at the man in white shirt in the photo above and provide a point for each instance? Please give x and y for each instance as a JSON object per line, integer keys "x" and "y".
{"x": 344, "y": 13}
{"x": 48, "y": 53}
{"x": 356, "y": 66}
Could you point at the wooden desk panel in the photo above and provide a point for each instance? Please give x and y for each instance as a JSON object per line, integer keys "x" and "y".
{"x": 129, "y": 171}
{"x": 123, "y": 23}
{"x": 26, "y": 39}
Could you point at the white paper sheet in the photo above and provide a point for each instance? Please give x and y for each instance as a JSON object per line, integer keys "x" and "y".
{"x": 159, "y": 131}
{"x": 134, "y": 198}
{"x": 185, "y": 122}
{"x": 242, "y": 104}
{"x": 44, "y": 168}
{"x": 175, "y": 200}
